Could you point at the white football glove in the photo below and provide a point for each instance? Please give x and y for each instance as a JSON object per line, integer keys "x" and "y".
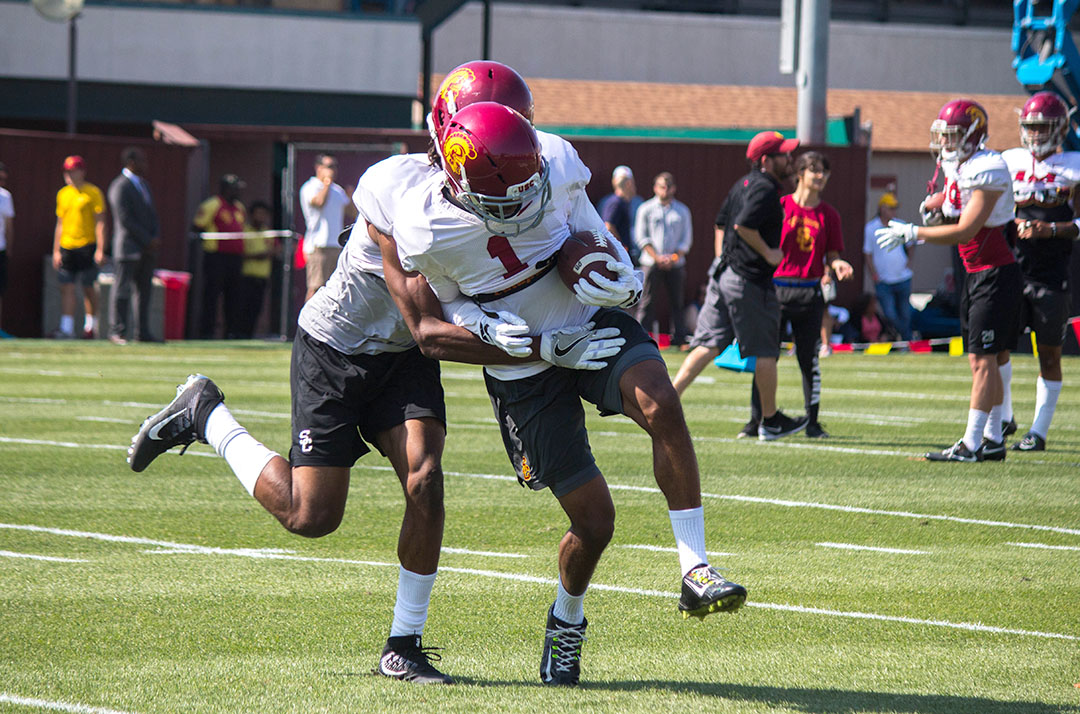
{"x": 502, "y": 329}
{"x": 931, "y": 216}
{"x": 580, "y": 347}
{"x": 896, "y": 234}
{"x": 624, "y": 291}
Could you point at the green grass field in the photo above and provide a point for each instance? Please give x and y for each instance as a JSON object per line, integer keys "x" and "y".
{"x": 878, "y": 582}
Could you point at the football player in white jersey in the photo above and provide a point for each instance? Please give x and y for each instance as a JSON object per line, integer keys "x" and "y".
{"x": 358, "y": 375}
{"x": 1044, "y": 183}
{"x": 489, "y": 229}
{"x": 972, "y": 213}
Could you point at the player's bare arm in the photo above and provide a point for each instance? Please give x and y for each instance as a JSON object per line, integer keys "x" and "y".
{"x": 972, "y": 220}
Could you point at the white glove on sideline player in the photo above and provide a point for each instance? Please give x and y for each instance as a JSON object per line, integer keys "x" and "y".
{"x": 502, "y": 329}
{"x": 580, "y": 347}
{"x": 896, "y": 234}
{"x": 624, "y": 291}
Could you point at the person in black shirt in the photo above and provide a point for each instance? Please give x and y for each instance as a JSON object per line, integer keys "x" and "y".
{"x": 741, "y": 301}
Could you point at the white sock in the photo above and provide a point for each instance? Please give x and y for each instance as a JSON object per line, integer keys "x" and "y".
{"x": 413, "y": 598}
{"x": 992, "y": 430}
{"x": 569, "y": 608}
{"x": 67, "y": 324}
{"x": 689, "y": 528}
{"x": 245, "y": 456}
{"x": 1046, "y": 397}
{"x": 1006, "y": 382}
{"x": 975, "y": 427}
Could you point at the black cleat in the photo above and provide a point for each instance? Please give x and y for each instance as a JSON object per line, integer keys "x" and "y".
{"x": 782, "y": 425}
{"x": 750, "y": 431}
{"x": 561, "y": 661}
{"x": 816, "y": 431}
{"x": 991, "y": 450}
{"x": 704, "y": 590}
{"x": 179, "y": 424}
{"x": 1030, "y": 442}
{"x": 957, "y": 452}
{"x": 1008, "y": 428}
{"x": 404, "y": 658}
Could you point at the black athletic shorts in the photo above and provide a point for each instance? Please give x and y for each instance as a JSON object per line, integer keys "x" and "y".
{"x": 340, "y": 401}
{"x": 78, "y": 264}
{"x": 542, "y": 418}
{"x": 990, "y": 309}
{"x": 1046, "y": 312}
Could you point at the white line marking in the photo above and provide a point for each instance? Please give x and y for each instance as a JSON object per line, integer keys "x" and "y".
{"x": 850, "y": 546}
{"x": 487, "y": 553}
{"x": 662, "y": 549}
{"x": 106, "y": 447}
{"x": 107, "y": 420}
{"x": 55, "y": 706}
{"x": 12, "y": 554}
{"x": 1044, "y": 546}
{"x": 183, "y": 549}
{"x": 33, "y": 400}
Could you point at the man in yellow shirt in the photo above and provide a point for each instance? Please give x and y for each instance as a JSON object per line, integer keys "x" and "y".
{"x": 78, "y": 245}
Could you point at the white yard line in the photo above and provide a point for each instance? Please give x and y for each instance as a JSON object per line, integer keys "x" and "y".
{"x": 852, "y": 546}
{"x": 485, "y": 553}
{"x": 105, "y": 420}
{"x": 28, "y": 556}
{"x": 185, "y": 549}
{"x": 6, "y": 698}
{"x": 662, "y": 549}
{"x": 1044, "y": 546}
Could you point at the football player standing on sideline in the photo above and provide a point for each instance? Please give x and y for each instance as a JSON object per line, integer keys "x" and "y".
{"x": 740, "y": 302}
{"x": 972, "y": 212}
{"x": 1043, "y": 182}
{"x": 500, "y": 193}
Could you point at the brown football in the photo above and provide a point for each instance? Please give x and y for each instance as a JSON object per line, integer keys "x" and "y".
{"x": 586, "y": 253}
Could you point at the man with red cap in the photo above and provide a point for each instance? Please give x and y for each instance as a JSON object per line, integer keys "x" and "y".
{"x": 740, "y": 303}
{"x": 78, "y": 245}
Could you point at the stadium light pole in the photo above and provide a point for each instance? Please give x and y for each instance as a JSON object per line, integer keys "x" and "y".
{"x": 65, "y": 11}
{"x": 811, "y": 75}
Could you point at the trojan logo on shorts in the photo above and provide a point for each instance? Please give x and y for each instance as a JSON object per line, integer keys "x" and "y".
{"x": 458, "y": 148}
{"x": 526, "y": 470}
{"x": 306, "y": 443}
{"x": 454, "y": 83}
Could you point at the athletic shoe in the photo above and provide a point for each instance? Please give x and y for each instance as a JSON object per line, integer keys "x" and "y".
{"x": 1008, "y": 428}
{"x": 991, "y": 450}
{"x": 816, "y": 431}
{"x": 180, "y": 423}
{"x": 1030, "y": 442}
{"x": 824, "y": 351}
{"x": 782, "y": 426}
{"x": 404, "y": 658}
{"x": 87, "y": 333}
{"x": 704, "y": 590}
{"x": 750, "y": 431}
{"x": 561, "y": 661}
{"x": 957, "y": 452}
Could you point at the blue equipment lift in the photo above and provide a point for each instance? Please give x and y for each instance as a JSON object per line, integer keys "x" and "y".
{"x": 1045, "y": 54}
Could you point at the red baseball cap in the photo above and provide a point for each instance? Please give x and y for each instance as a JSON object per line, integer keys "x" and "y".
{"x": 74, "y": 162}
{"x": 770, "y": 142}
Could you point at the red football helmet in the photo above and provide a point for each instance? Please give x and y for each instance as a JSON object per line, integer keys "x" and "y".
{"x": 478, "y": 81}
{"x": 959, "y": 130}
{"x": 494, "y": 168}
{"x": 1044, "y": 120}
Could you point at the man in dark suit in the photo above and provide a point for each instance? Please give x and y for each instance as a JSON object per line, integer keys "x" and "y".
{"x": 135, "y": 246}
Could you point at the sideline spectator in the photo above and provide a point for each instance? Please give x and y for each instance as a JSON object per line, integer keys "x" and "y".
{"x": 741, "y": 302}
{"x": 222, "y": 259}
{"x": 78, "y": 246}
{"x": 258, "y": 252}
{"x": 617, "y": 210}
{"x": 890, "y": 270}
{"x": 812, "y": 237}
{"x": 870, "y": 324}
{"x": 7, "y": 233}
{"x": 664, "y": 234}
{"x": 135, "y": 248}
{"x": 323, "y": 203}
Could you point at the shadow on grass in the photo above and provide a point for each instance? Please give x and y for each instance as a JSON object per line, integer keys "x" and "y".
{"x": 815, "y": 701}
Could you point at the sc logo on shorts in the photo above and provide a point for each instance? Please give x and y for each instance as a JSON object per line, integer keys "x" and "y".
{"x": 306, "y": 443}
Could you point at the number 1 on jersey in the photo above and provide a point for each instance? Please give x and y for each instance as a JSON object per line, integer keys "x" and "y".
{"x": 499, "y": 247}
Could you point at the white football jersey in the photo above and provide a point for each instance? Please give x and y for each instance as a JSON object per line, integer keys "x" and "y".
{"x": 1045, "y": 184}
{"x": 458, "y": 255}
{"x": 354, "y": 312}
{"x": 984, "y": 170}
